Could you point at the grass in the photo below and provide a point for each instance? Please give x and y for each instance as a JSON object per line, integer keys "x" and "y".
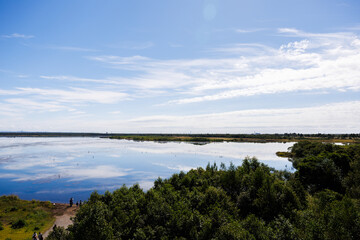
{"x": 20, "y": 218}
{"x": 284, "y": 154}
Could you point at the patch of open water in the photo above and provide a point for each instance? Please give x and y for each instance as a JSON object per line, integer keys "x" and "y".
{"x": 56, "y": 169}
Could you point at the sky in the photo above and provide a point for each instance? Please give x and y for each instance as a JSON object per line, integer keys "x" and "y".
{"x": 189, "y": 66}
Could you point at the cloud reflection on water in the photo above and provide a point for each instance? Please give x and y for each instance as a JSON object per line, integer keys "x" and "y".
{"x": 48, "y": 164}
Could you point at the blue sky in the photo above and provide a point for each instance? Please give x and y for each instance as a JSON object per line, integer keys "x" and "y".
{"x": 180, "y": 66}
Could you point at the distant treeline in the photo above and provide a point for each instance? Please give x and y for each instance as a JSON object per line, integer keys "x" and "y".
{"x": 52, "y": 134}
{"x": 277, "y": 137}
{"x": 320, "y": 200}
{"x": 352, "y": 137}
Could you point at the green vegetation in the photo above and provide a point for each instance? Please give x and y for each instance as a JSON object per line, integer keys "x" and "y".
{"x": 158, "y": 138}
{"x": 320, "y": 200}
{"x": 257, "y": 138}
{"x": 19, "y": 219}
{"x": 284, "y": 154}
{"x": 58, "y": 233}
{"x": 203, "y": 138}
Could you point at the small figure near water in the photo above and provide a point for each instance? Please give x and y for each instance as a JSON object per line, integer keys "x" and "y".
{"x": 71, "y": 202}
{"x": 77, "y": 203}
{"x": 80, "y": 203}
{"x": 34, "y": 236}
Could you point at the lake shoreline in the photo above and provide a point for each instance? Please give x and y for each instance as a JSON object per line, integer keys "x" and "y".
{"x": 200, "y": 138}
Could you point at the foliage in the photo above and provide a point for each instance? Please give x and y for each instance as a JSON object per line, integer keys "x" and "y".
{"x": 327, "y": 166}
{"x": 330, "y": 216}
{"x": 18, "y": 224}
{"x": 58, "y": 233}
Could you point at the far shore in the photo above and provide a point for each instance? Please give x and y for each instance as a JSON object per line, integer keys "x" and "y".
{"x": 201, "y": 138}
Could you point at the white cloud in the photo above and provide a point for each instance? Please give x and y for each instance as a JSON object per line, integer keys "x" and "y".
{"x": 249, "y": 30}
{"x": 102, "y": 171}
{"x": 229, "y": 150}
{"x": 77, "y": 95}
{"x": 28, "y": 104}
{"x": 73, "y": 174}
{"x": 295, "y": 47}
{"x": 315, "y": 62}
{"x": 18, "y": 35}
{"x": 342, "y": 117}
{"x": 133, "y": 45}
{"x": 24, "y": 101}
{"x": 310, "y": 63}
{"x": 71, "y": 48}
{"x": 78, "y": 79}
{"x": 175, "y": 167}
{"x": 337, "y": 117}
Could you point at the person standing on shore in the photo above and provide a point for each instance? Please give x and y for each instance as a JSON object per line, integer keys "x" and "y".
{"x": 71, "y": 202}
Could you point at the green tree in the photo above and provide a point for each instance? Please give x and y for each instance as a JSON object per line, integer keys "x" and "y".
{"x": 92, "y": 222}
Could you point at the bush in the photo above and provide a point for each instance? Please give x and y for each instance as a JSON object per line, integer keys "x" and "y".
{"x": 12, "y": 209}
{"x": 1, "y": 226}
{"x": 58, "y": 233}
{"x": 18, "y": 224}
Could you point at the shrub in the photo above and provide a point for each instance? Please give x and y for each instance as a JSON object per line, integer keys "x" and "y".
{"x": 58, "y": 233}
{"x": 13, "y": 209}
{"x": 18, "y": 224}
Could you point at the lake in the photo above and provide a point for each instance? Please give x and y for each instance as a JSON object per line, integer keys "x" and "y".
{"x": 56, "y": 169}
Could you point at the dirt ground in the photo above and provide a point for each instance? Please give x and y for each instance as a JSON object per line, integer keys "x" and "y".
{"x": 63, "y": 213}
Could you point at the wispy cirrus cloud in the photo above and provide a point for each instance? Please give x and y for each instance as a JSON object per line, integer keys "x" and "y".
{"x": 74, "y": 95}
{"x": 249, "y": 30}
{"x": 17, "y": 35}
{"x": 133, "y": 45}
{"x": 28, "y": 104}
{"x": 339, "y": 117}
{"x": 71, "y": 48}
{"x": 70, "y": 173}
{"x": 79, "y": 79}
{"x": 22, "y": 101}
{"x": 315, "y": 62}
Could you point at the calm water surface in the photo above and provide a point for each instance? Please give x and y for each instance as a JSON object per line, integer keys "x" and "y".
{"x": 56, "y": 169}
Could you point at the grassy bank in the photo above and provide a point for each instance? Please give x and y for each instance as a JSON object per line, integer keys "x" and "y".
{"x": 19, "y": 219}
